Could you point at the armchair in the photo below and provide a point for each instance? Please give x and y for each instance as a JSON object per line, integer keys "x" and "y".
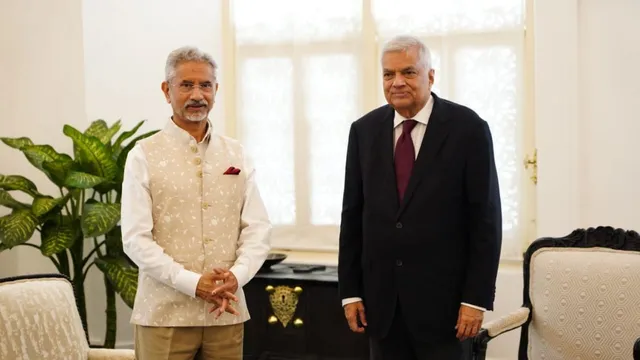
{"x": 581, "y": 299}
{"x": 39, "y": 320}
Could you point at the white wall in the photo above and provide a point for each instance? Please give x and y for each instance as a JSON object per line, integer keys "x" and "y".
{"x": 126, "y": 44}
{"x": 586, "y": 84}
{"x": 41, "y": 67}
{"x": 609, "y": 88}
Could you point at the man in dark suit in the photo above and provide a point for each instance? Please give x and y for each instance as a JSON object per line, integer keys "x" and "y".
{"x": 421, "y": 227}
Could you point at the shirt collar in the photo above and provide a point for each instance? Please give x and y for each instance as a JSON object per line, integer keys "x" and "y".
{"x": 422, "y": 116}
{"x": 174, "y": 130}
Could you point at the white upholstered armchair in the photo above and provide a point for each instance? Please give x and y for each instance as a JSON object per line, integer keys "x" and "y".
{"x": 581, "y": 299}
{"x": 39, "y": 320}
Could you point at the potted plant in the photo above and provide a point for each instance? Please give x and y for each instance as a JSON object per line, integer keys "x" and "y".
{"x": 79, "y": 226}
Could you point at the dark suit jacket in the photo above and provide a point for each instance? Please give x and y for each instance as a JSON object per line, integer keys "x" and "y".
{"x": 441, "y": 245}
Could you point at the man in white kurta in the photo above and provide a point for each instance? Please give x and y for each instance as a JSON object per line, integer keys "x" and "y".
{"x": 194, "y": 223}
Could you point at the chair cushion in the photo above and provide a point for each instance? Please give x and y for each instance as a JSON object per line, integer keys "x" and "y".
{"x": 39, "y": 320}
{"x": 586, "y": 303}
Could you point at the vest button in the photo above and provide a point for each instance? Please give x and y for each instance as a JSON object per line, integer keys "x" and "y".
{"x": 199, "y": 173}
{"x": 194, "y": 148}
{"x": 205, "y": 205}
{"x": 197, "y": 161}
{"x": 398, "y": 262}
{"x": 399, "y": 225}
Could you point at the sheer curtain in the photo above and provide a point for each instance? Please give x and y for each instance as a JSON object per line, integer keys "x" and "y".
{"x": 305, "y": 70}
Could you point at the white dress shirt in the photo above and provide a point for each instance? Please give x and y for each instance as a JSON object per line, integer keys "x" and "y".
{"x": 417, "y": 134}
{"x": 147, "y": 254}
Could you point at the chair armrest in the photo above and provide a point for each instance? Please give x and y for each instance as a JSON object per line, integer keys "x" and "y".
{"x": 496, "y": 327}
{"x": 508, "y": 322}
{"x": 636, "y": 350}
{"x": 511, "y": 321}
{"x": 111, "y": 354}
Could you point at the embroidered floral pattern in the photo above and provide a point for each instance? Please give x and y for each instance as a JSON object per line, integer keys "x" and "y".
{"x": 196, "y": 216}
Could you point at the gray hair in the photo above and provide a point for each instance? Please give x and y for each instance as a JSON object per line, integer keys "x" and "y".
{"x": 403, "y": 43}
{"x": 187, "y": 53}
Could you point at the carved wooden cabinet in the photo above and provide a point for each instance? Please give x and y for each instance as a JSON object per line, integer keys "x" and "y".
{"x": 298, "y": 315}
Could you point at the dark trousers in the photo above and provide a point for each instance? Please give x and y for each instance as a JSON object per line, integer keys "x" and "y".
{"x": 399, "y": 344}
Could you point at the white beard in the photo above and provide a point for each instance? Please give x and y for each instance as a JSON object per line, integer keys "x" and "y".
{"x": 196, "y": 117}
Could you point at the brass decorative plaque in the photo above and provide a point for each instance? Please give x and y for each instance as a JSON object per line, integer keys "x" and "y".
{"x": 284, "y": 301}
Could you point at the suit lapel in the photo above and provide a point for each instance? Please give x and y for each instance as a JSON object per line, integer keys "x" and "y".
{"x": 384, "y": 144}
{"x": 434, "y": 137}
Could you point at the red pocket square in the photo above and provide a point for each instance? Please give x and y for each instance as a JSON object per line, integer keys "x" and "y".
{"x": 232, "y": 171}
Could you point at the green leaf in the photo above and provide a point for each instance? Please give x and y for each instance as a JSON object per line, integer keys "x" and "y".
{"x": 17, "y": 227}
{"x": 106, "y": 139}
{"x": 113, "y": 241}
{"x": 43, "y": 204}
{"x": 3, "y": 247}
{"x": 122, "y": 157}
{"x": 38, "y": 154}
{"x": 97, "y": 128}
{"x": 17, "y": 143}
{"x": 102, "y": 131}
{"x": 94, "y": 156}
{"x": 124, "y": 278}
{"x": 17, "y": 182}
{"x": 108, "y": 186}
{"x": 58, "y": 170}
{"x": 98, "y": 218}
{"x": 81, "y": 180}
{"x": 124, "y": 136}
{"x": 7, "y": 200}
{"x": 57, "y": 236}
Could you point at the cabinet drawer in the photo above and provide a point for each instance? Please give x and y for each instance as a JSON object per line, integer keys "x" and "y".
{"x": 310, "y": 306}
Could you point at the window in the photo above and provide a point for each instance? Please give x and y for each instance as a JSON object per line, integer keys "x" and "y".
{"x": 305, "y": 70}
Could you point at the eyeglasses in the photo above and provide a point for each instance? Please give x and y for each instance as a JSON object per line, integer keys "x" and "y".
{"x": 187, "y": 87}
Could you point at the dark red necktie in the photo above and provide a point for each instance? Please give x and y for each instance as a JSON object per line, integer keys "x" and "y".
{"x": 405, "y": 157}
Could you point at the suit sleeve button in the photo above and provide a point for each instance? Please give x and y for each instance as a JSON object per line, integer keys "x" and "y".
{"x": 399, "y": 225}
{"x": 398, "y": 262}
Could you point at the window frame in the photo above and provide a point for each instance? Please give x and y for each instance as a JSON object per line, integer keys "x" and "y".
{"x": 304, "y": 236}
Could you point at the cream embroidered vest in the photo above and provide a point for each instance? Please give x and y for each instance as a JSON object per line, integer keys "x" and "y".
{"x": 196, "y": 220}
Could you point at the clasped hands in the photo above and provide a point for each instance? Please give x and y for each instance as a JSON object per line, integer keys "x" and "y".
{"x": 218, "y": 294}
{"x": 468, "y": 324}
